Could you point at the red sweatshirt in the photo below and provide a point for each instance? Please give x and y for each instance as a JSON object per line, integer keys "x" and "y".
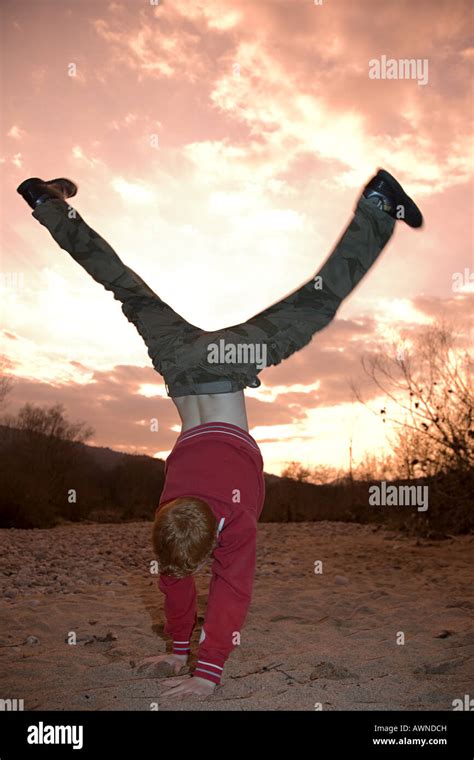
{"x": 221, "y": 464}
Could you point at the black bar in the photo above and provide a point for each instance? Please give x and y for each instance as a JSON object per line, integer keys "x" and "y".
{"x": 320, "y": 735}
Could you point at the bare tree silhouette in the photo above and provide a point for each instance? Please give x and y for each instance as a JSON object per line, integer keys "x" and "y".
{"x": 41, "y": 464}
{"x": 429, "y": 398}
{"x": 50, "y": 422}
{"x": 6, "y": 382}
{"x": 318, "y": 475}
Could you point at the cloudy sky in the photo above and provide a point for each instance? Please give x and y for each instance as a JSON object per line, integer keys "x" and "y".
{"x": 220, "y": 146}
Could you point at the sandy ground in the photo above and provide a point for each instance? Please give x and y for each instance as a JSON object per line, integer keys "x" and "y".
{"x": 310, "y": 639}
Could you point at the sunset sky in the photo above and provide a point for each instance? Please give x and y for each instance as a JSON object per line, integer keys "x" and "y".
{"x": 219, "y": 147}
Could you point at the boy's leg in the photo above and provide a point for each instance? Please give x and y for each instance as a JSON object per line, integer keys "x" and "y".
{"x": 91, "y": 251}
{"x": 287, "y": 326}
{"x": 161, "y": 328}
{"x": 240, "y": 352}
{"x": 291, "y": 323}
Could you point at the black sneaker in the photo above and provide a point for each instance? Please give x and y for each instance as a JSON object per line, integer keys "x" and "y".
{"x": 35, "y": 190}
{"x": 389, "y": 196}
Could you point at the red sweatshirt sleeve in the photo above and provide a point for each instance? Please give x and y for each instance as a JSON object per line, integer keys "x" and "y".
{"x": 180, "y": 610}
{"x": 230, "y": 593}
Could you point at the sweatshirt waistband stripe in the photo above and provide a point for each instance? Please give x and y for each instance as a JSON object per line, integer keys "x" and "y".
{"x": 219, "y": 425}
{"x": 187, "y": 435}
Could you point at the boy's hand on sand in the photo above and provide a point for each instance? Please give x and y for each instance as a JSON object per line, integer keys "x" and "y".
{"x": 162, "y": 665}
{"x": 190, "y": 685}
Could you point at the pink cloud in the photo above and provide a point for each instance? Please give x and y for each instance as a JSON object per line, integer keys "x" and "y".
{"x": 268, "y": 125}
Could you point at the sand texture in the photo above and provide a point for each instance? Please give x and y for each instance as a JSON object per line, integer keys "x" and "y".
{"x": 310, "y": 639}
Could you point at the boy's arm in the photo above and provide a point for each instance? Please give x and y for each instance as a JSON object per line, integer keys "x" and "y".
{"x": 180, "y": 610}
{"x": 230, "y": 594}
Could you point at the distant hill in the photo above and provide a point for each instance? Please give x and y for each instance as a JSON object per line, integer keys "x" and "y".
{"x": 39, "y": 473}
{"x": 105, "y": 457}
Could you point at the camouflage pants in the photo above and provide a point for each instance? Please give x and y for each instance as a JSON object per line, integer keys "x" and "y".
{"x": 194, "y": 361}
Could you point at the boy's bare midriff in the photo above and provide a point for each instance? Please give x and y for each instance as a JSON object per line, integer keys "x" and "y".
{"x": 214, "y": 407}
